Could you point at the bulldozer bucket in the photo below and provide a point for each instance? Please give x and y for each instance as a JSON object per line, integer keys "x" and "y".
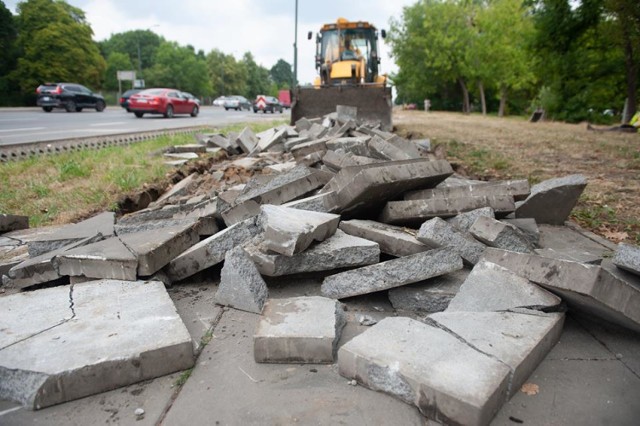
{"x": 373, "y": 102}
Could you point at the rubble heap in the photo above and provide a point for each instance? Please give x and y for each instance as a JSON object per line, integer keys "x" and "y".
{"x": 480, "y": 302}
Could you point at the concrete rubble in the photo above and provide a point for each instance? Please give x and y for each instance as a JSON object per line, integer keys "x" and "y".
{"x": 475, "y": 277}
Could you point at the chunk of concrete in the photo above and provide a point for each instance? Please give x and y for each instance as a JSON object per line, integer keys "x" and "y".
{"x": 521, "y": 341}
{"x": 289, "y": 231}
{"x": 423, "y": 365}
{"x": 195, "y": 148}
{"x": 571, "y": 254}
{"x": 490, "y": 287}
{"x": 339, "y": 251}
{"x": 518, "y": 189}
{"x": 501, "y": 235}
{"x": 627, "y": 257}
{"x": 392, "y": 273}
{"x": 291, "y": 142}
{"x": 241, "y": 285}
{"x": 432, "y": 295}
{"x": 551, "y": 201}
{"x": 316, "y": 145}
{"x": 588, "y": 288}
{"x": 101, "y": 224}
{"x": 361, "y": 188}
{"x": 353, "y": 145}
{"x": 302, "y": 124}
{"x": 247, "y": 140}
{"x": 270, "y": 140}
{"x": 222, "y": 142}
{"x": 529, "y": 228}
{"x": 180, "y": 189}
{"x": 465, "y": 220}
{"x": 12, "y": 222}
{"x": 299, "y": 330}
{"x": 380, "y": 148}
{"x": 337, "y": 160}
{"x": 346, "y": 113}
{"x": 397, "y": 212}
{"x": 323, "y": 203}
{"x": 109, "y": 259}
{"x": 212, "y": 250}
{"x": 438, "y": 233}
{"x": 88, "y": 338}
{"x": 393, "y": 240}
{"x": 181, "y": 155}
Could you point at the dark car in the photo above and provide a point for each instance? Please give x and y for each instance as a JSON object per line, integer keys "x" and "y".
{"x": 267, "y": 104}
{"x": 70, "y": 96}
{"x": 167, "y": 102}
{"x": 124, "y": 99}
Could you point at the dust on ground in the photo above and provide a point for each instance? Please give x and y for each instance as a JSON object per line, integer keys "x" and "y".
{"x": 492, "y": 148}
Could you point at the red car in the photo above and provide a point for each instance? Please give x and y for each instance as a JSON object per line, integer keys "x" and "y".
{"x": 167, "y": 102}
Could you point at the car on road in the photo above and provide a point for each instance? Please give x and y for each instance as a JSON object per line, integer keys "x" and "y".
{"x": 218, "y": 101}
{"x": 267, "y": 104}
{"x": 72, "y": 97}
{"x": 192, "y": 97}
{"x": 167, "y": 102}
{"x": 236, "y": 102}
{"x": 124, "y": 98}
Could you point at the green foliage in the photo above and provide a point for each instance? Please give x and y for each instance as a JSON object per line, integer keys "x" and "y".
{"x": 179, "y": 67}
{"x": 227, "y": 76}
{"x": 137, "y": 44}
{"x": 281, "y": 74}
{"x": 72, "y": 169}
{"x": 117, "y": 62}
{"x": 258, "y": 79}
{"x": 9, "y": 56}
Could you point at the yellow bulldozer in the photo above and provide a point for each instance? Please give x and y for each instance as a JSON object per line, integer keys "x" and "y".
{"x": 347, "y": 60}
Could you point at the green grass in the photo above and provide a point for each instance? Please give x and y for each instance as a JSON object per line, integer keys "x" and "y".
{"x": 479, "y": 161}
{"x": 184, "y": 377}
{"x": 60, "y": 188}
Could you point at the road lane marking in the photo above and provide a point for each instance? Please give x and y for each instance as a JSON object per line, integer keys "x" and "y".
{"x": 115, "y": 123}
{"x": 24, "y": 129}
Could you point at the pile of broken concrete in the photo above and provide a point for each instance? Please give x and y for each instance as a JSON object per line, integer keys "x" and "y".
{"x": 479, "y": 303}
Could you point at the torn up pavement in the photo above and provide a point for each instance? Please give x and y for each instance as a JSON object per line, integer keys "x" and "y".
{"x": 325, "y": 272}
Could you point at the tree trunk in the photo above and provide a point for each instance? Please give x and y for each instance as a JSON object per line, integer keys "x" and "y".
{"x": 503, "y": 101}
{"x": 632, "y": 76}
{"x": 466, "y": 105}
{"x": 483, "y": 100}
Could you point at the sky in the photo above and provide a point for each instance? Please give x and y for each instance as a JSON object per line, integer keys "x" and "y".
{"x": 266, "y": 28}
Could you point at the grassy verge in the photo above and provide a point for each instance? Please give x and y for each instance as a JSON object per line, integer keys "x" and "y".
{"x": 57, "y": 189}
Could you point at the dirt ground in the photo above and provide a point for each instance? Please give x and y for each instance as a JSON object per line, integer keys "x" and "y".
{"x": 492, "y": 148}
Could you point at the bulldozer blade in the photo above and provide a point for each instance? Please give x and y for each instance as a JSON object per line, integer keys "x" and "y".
{"x": 373, "y": 102}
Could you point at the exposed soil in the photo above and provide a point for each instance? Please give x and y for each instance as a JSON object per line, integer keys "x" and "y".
{"x": 491, "y": 148}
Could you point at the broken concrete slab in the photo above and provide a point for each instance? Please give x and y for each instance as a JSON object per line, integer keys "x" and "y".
{"x": 339, "y": 251}
{"x": 241, "y": 285}
{"x": 12, "y": 222}
{"x": 353, "y": 145}
{"x": 529, "y": 228}
{"x": 337, "y": 160}
{"x": 398, "y": 212}
{"x": 432, "y": 295}
{"x": 521, "y": 341}
{"x": 182, "y": 155}
{"x": 282, "y": 167}
{"x": 364, "y": 187}
{"x": 438, "y": 233}
{"x": 205, "y": 225}
{"x": 299, "y": 330}
{"x": 222, "y": 142}
{"x": 96, "y": 336}
{"x": 518, "y": 189}
{"x": 270, "y": 140}
{"x": 393, "y": 240}
{"x": 247, "y": 140}
{"x": 551, "y": 201}
{"x": 627, "y": 257}
{"x": 156, "y": 249}
{"x": 180, "y": 189}
{"x": 289, "y": 231}
{"x": 346, "y": 113}
{"x": 448, "y": 380}
{"x": 380, "y": 148}
{"x": 588, "y": 288}
{"x": 292, "y": 142}
{"x": 109, "y": 259}
{"x": 303, "y": 149}
{"x": 392, "y": 273}
{"x": 491, "y": 287}
{"x": 195, "y": 148}
{"x": 465, "y": 220}
{"x": 500, "y": 235}
{"x": 100, "y": 224}
{"x": 573, "y": 255}
{"x": 212, "y": 250}
{"x": 323, "y": 203}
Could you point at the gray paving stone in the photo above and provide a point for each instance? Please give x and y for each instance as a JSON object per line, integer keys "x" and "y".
{"x": 241, "y": 285}
{"x": 384, "y": 150}
{"x": 315, "y": 145}
{"x": 393, "y": 240}
{"x": 302, "y": 124}
{"x": 299, "y": 330}
{"x": 195, "y": 148}
{"x": 246, "y": 140}
{"x": 337, "y": 160}
{"x": 212, "y": 250}
{"x": 551, "y": 201}
{"x": 291, "y": 142}
{"x": 573, "y": 255}
{"x": 109, "y": 259}
{"x": 101, "y": 224}
{"x": 346, "y": 113}
{"x": 432, "y": 295}
{"x": 498, "y": 234}
{"x": 69, "y": 342}
{"x": 588, "y": 288}
{"x": 518, "y": 189}
{"x": 339, "y": 251}
{"x": 438, "y": 233}
{"x": 412, "y": 211}
{"x": 392, "y": 273}
{"x": 289, "y": 231}
{"x": 425, "y": 366}
{"x": 222, "y": 142}
{"x": 180, "y": 189}
{"x": 627, "y": 257}
{"x": 490, "y": 287}
{"x": 528, "y": 226}
{"x": 520, "y": 341}
{"x": 353, "y": 145}
{"x": 12, "y": 222}
{"x": 323, "y": 203}
{"x": 156, "y": 249}
{"x": 269, "y": 141}
{"x": 465, "y": 220}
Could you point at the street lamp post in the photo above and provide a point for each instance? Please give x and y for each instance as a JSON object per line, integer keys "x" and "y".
{"x": 295, "y": 50}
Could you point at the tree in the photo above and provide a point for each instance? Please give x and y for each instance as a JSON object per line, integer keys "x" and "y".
{"x": 9, "y": 57}
{"x": 258, "y": 80}
{"x": 281, "y": 74}
{"x": 139, "y": 45}
{"x": 55, "y": 44}
{"x": 116, "y": 62}
{"x": 179, "y": 67}
{"x": 226, "y": 75}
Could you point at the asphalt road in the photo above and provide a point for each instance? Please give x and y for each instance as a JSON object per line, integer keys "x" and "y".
{"x": 27, "y": 125}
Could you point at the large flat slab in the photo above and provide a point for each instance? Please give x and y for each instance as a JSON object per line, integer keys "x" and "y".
{"x": 518, "y": 189}
{"x": 438, "y": 233}
{"x": 241, "y": 285}
{"x": 393, "y": 240}
{"x": 65, "y": 343}
{"x": 552, "y": 200}
{"x": 432, "y": 295}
